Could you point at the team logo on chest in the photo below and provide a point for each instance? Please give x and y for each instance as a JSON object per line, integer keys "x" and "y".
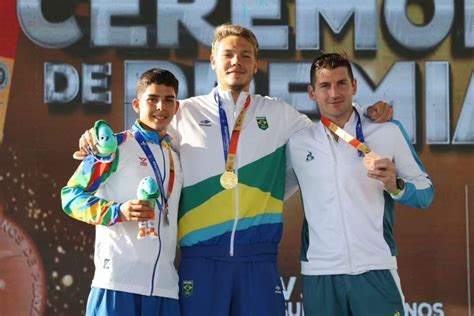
{"x": 309, "y": 156}
{"x": 142, "y": 161}
{"x": 206, "y": 123}
{"x": 262, "y": 122}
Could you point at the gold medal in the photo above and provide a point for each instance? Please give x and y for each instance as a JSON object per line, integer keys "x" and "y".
{"x": 369, "y": 160}
{"x": 229, "y": 180}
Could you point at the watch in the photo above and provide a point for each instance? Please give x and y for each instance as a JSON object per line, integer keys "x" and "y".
{"x": 400, "y": 186}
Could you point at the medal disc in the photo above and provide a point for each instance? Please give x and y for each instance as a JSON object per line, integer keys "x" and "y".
{"x": 229, "y": 180}
{"x": 369, "y": 160}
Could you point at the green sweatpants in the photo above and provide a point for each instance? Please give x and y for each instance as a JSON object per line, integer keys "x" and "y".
{"x": 373, "y": 293}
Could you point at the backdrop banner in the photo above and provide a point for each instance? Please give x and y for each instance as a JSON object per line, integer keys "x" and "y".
{"x": 66, "y": 64}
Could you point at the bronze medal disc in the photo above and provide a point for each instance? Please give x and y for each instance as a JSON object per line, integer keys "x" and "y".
{"x": 369, "y": 160}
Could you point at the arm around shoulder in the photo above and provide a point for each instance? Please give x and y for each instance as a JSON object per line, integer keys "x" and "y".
{"x": 296, "y": 121}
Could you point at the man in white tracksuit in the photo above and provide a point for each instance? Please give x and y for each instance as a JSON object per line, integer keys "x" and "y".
{"x": 348, "y": 257}
{"x": 132, "y": 276}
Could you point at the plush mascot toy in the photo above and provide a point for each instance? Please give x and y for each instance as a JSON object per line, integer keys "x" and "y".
{"x": 148, "y": 190}
{"x": 106, "y": 143}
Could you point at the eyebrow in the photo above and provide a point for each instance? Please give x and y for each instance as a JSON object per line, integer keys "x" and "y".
{"x": 166, "y": 96}
{"x": 244, "y": 51}
{"x": 338, "y": 81}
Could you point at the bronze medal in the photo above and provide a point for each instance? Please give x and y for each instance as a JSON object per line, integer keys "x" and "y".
{"x": 369, "y": 160}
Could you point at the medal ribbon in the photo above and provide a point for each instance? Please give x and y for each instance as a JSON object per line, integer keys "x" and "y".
{"x": 230, "y": 143}
{"x": 164, "y": 143}
{"x": 10, "y": 29}
{"x": 357, "y": 143}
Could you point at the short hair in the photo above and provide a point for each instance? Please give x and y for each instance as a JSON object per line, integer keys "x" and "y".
{"x": 330, "y": 61}
{"x": 224, "y": 30}
{"x": 156, "y": 76}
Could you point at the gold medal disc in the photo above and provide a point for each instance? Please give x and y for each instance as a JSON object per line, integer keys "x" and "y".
{"x": 229, "y": 180}
{"x": 369, "y": 160}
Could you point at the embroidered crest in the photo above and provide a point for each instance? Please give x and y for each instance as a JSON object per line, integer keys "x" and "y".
{"x": 262, "y": 122}
{"x": 278, "y": 289}
{"x": 187, "y": 288}
{"x": 309, "y": 156}
{"x": 206, "y": 123}
{"x": 106, "y": 264}
{"x": 143, "y": 162}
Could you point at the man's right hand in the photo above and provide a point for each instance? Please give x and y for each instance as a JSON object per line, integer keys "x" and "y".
{"x": 136, "y": 211}
{"x": 380, "y": 112}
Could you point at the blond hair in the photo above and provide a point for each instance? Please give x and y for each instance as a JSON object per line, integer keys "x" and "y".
{"x": 224, "y": 30}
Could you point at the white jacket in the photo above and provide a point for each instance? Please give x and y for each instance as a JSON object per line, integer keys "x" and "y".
{"x": 122, "y": 262}
{"x": 250, "y": 214}
{"x": 349, "y": 218}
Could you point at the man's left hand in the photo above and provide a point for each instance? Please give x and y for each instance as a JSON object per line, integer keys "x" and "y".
{"x": 385, "y": 172}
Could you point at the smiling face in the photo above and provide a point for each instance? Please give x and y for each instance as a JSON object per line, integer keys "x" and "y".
{"x": 333, "y": 90}
{"x": 234, "y": 62}
{"x": 156, "y": 107}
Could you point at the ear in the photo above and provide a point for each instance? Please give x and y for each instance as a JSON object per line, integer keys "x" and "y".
{"x": 256, "y": 67}
{"x": 354, "y": 85}
{"x": 136, "y": 105}
{"x": 213, "y": 62}
{"x": 311, "y": 93}
{"x": 177, "y": 106}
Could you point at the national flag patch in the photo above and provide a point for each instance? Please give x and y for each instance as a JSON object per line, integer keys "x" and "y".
{"x": 187, "y": 288}
{"x": 262, "y": 122}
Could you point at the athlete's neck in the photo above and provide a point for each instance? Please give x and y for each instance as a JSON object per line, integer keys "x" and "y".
{"x": 161, "y": 132}
{"x": 342, "y": 120}
{"x": 235, "y": 92}
{"x": 235, "y": 95}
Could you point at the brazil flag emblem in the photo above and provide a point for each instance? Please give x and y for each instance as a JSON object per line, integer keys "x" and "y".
{"x": 262, "y": 122}
{"x": 187, "y": 288}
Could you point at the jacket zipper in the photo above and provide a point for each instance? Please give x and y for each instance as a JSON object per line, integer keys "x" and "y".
{"x": 158, "y": 230}
{"x": 158, "y": 256}
{"x": 236, "y": 197}
{"x": 332, "y": 145}
{"x": 236, "y": 221}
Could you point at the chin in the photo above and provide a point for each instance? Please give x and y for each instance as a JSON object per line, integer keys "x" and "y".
{"x": 157, "y": 127}
{"x": 162, "y": 126}
{"x": 237, "y": 86}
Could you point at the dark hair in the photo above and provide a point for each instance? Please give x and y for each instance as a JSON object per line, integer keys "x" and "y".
{"x": 156, "y": 76}
{"x": 330, "y": 61}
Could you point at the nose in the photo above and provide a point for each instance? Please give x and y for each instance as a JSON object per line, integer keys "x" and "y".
{"x": 235, "y": 60}
{"x": 333, "y": 91}
{"x": 159, "y": 105}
